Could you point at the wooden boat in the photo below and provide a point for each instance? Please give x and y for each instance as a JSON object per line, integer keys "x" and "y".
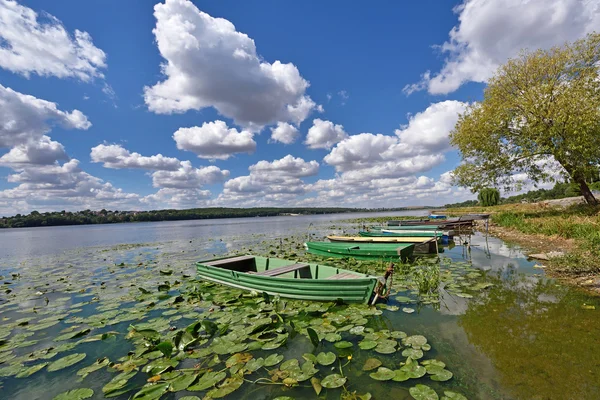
{"x": 379, "y": 233}
{"x": 448, "y": 232}
{"x": 362, "y": 251}
{"x": 424, "y": 245}
{"x": 410, "y": 228}
{"x": 288, "y": 279}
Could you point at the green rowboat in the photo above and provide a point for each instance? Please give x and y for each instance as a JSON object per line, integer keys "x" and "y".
{"x": 303, "y": 281}
{"x": 362, "y": 251}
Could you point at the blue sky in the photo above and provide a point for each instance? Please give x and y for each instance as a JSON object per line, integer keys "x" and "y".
{"x": 363, "y": 98}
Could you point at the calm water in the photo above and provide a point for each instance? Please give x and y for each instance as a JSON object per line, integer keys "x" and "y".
{"x": 524, "y": 338}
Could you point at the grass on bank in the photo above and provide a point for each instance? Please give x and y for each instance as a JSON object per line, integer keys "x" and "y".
{"x": 579, "y": 222}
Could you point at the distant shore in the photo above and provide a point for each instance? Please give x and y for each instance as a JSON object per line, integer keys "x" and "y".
{"x": 88, "y": 217}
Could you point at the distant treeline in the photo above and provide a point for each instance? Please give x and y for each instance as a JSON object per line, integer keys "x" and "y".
{"x": 109, "y": 217}
{"x": 560, "y": 190}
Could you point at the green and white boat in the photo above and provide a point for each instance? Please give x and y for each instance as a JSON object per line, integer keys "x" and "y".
{"x": 379, "y": 233}
{"x": 289, "y": 279}
{"x": 362, "y": 251}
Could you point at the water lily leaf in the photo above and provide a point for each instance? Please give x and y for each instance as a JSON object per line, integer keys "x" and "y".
{"x": 464, "y": 295}
{"x": 182, "y": 382}
{"x": 398, "y": 334}
{"x": 10, "y": 370}
{"x": 309, "y": 357}
{"x": 412, "y": 353}
{"x": 66, "y": 362}
{"x": 400, "y": 375}
{"x": 413, "y": 370}
{"x": 255, "y": 364}
{"x": 432, "y": 363}
{"x": 151, "y": 391}
{"x": 210, "y": 327}
{"x": 308, "y": 369}
{"x": 72, "y": 335}
{"x": 415, "y": 341}
{"x": 85, "y": 371}
{"x": 75, "y": 394}
{"x": 207, "y": 380}
{"x": 273, "y": 359}
{"x": 343, "y": 345}
{"x": 289, "y": 364}
{"x": 160, "y": 365}
{"x": 371, "y": 364}
{"x": 150, "y": 334}
{"x": 333, "y": 381}
{"x": 229, "y": 386}
{"x": 367, "y": 344}
{"x": 316, "y": 384}
{"x": 189, "y": 398}
{"x": 166, "y": 348}
{"x": 403, "y": 299}
{"x": 423, "y": 392}
{"x": 408, "y": 310}
{"x": 314, "y": 338}
{"x": 118, "y": 382}
{"x": 442, "y": 375}
{"x": 382, "y": 374}
{"x": 326, "y": 358}
{"x": 357, "y": 330}
{"x": 31, "y": 370}
{"x": 290, "y": 382}
{"x": 333, "y": 337}
{"x": 448, "y": 395}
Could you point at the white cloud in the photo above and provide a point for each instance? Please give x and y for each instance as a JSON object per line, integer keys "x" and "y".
{"x": 324, "y": 134}
{"x": 428, "y": 131}
{"x": 359, "y": 151}
{"x": 210, "y": 64}
{"x": 117, "y": 157}
{"x": 284, "y": 133}
{"x": 187, "y": 177}
{"x": 43, "y": 151}
{"x": 288, "y": 165}
{"x": 29, "y": 45}
{"x": 25, "y": 119}
{"x": 214, "y": 140}
{"x": 177, "y": 198}
{"x": 492, "y": 31}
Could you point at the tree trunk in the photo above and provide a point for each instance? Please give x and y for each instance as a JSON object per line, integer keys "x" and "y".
{"x": 585, "y": 190}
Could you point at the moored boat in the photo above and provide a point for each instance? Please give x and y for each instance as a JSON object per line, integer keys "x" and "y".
{"x": 423, "y": 244}
{"x": 362, "y": 251}
{"x": 289, "y": 279}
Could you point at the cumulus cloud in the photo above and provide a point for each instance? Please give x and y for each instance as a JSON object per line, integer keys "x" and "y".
{"x": 177, "y": 198}
{"x": 492, "y": 31}
{"x": 208, "y": 63}
{"x": 117, "y": 157}
{"x": 33, "y": 45}
{"x": 284, "y": 133}
{"x": 214, "y": 140}
{"x": 324, "y": 134}
{"x": 288, "y": 165}
{"x": 43, "y": 151}
{"x": 187, "y": 177}
{"x": 25, "y": 119}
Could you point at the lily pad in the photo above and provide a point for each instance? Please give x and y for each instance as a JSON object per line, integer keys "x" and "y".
{"x": 371, "y": 364}
{"x": 326, "y": 358}
{"x": 423, "y": 392}
{"x": 31, "y": 370}
{"x": 382, "y": 374}
{"x": 207, "y": 380}
{"x": 415, "y": 341}
{"x": 343, "y": 345}
{"x": 151, "y": 391}
{"x": 229, "y": 386}
{"x": 273, "y": 359}
{"x": 412, "y": 353}
{"x": 367, "y": 344}
{"x": 65, "y": 362}
{"x": 255, "y": 364}
{"x": 408, "y": 310}
{"x": 75, "y": 394}
{"x": 333, "y": 381}
{"x": 448, "y": 395}
{"x": 441, "y": 375}
{"x": 182, "y": 382}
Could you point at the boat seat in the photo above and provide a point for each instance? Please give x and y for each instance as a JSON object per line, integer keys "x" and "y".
{"x": 283, "y": 270}
{"x": 345, "y": 275}
{"x": 228, "y": 260}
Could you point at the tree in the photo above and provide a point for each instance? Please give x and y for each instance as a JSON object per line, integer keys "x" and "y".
{"x": 539, "y": 119}
{"x": 489, "y": 197}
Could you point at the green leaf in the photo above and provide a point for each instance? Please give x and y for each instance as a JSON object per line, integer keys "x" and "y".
{"x": 255, "y": 364}
{"x": 66, "y": 362}
{"x": 151, "y": 391}
{"x": 448, "y": 395}
{"x": 75, "y": 394}
{"x": 166, "y": 348}
{"x": 371, "y": 364}
{"x": 182, "y": 382}
{"x": 314, "y": 338}
{"x": 412, "y": 353}
{"x": 229, "y": 386}
{"x": 208, "y": 380}
{"x": 441, "y": 375}
{"x": 333, "y": 381}
{"x": 31, "y": 370}
{"x": 316, "y": 384}
{"x": 382, "y": 374}
{"x": 210, "y": 327}
{"x": 273, "y": 359}
{"x": 85, "y": 371}
{"x": 367, "y": 344}
{"x": 118, "y": 382}
{"x": 343, "y": 345}
{"x": 11, "y": 370}
{"x": 326, "y": 358}
{"x": 423, "y": 392}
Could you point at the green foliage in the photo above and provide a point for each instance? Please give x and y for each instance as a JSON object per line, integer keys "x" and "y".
{"x": 489, "y": 197}
{"x": 540, "y": 118}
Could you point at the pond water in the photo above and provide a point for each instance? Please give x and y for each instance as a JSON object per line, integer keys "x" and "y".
{"x": 521, "y": 336}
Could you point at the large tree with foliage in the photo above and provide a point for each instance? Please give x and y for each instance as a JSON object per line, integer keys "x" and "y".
{"x": 540, "y": 118}
{"x": 489, "y": 197}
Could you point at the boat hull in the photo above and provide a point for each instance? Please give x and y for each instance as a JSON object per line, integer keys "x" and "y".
{"x": 423, "y": 245}
{"x": 318, "y": 287}
{"x": 362, "y": 251}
